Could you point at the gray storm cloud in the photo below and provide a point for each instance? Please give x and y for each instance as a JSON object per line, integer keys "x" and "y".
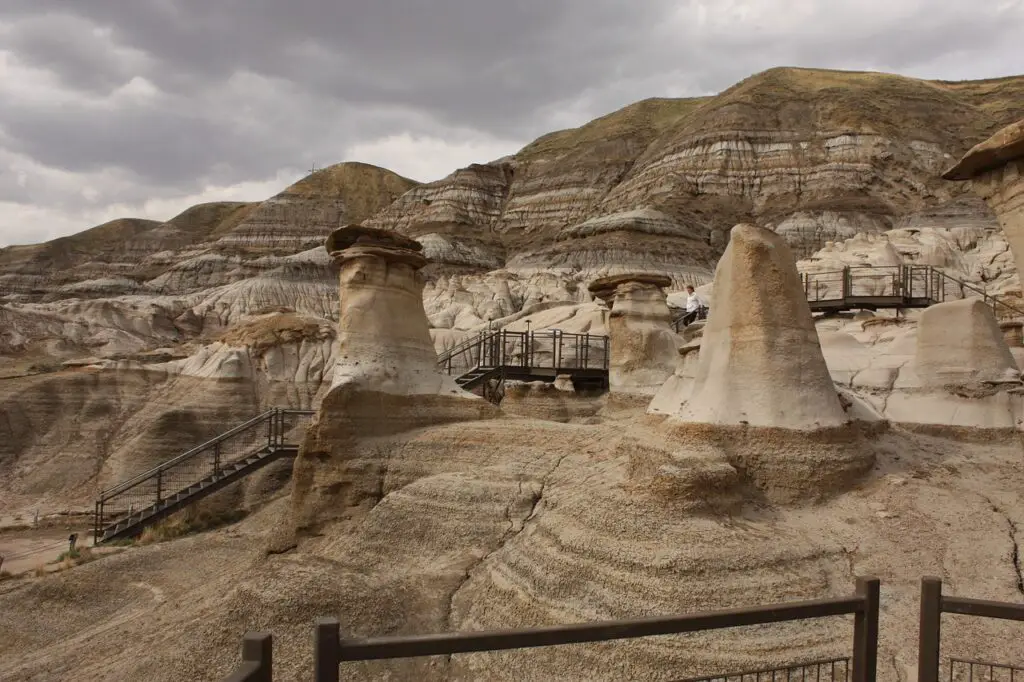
{"x": 171, "y": 96}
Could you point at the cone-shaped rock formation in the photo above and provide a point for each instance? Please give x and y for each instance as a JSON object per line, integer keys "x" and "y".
{"x": 760, "y": 360}
{"x": 960, "y": 342}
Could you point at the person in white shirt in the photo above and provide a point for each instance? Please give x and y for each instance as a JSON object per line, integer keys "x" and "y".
{"x": 694, "y": 306}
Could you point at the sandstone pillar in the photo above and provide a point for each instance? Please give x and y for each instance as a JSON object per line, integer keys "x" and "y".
{"x": 386, "y": 379}
{"x": 996, "y": 169}
{"x": 383, "y": 334}
{"x": 643, "y": 347}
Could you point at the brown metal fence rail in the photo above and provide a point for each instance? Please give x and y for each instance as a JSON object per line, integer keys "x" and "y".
{"x": 257, "y": 659}
{"x": 933, "y": 605}
{"x": 331, "y": 650}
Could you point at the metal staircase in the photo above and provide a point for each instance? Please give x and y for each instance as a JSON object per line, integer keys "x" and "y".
{"x": 129, "y": 507}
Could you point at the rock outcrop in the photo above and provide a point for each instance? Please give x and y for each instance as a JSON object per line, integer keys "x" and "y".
{"x": 996, "y": 170}
{"x": 643, "y": 346}
{"x": 760, "y": 360}
{"x": 386, "y": 378}
{"x": 960, "y": 343}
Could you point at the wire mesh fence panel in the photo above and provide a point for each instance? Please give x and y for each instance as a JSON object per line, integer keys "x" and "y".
{"x": 963, "y": 670}
{"x": 823, "y": 286}
{"x": 880, "y": 280}
{"x": 830, "y": 670}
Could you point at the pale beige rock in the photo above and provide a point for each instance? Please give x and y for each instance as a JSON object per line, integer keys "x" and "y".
{"x": 643, "y": 345}
{"x": 384, "y": 340}
{"x": 760, "y": 362}
{"x": 960, "y": 342}
{"x": 557, "y": 401}
{"x": 1013, "y": 333}
{"x": 996, "y": 170}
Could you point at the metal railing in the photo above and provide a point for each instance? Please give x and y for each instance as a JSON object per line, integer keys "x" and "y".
{"x": 265, "y": 431}
{"x": 893, "y": 286}
{"x": 963, "y": 670}
{"x": 464, "y": 355}
{"x": 330, "y": 649}
{"x": 257, "y": 659}
{"x": 677, "y": 321}
{"x": 933, "y": 605}
{"x": 546, "y": 349}
{"x": 830, "y": 670}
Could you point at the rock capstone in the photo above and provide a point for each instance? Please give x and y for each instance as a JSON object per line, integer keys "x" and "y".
{"x": 996, "y": 169}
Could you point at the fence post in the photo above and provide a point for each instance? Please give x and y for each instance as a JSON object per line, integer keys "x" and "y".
{"x": 865, "y": 632}
{"x": 159, "y": 483}
{"x": 326, "y": 650}
{"x": 258, "y": 648}
{"x": 930, "y": 630}
{"x": 96, "y": 523}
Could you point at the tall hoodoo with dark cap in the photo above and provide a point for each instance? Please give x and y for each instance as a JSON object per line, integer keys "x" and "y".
{"x": 386, "y": 379}
{"x": 643, "y": 347}
{"x": 383, "y": 334}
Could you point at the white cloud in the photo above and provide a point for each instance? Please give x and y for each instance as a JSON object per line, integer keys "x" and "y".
{"x": 27, "y": 224}
{"x": 429, "y": 158}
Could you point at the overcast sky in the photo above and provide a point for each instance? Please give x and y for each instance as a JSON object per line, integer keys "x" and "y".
{"x": 113, "y": 108}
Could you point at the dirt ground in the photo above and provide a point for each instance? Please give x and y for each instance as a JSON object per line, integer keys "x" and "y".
{"x": 27, "y": 549}
{"x": 547, "y": 528}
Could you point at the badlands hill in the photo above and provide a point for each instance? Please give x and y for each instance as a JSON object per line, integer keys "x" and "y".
{"x": 124, "y": 345}
{"x": 817, "y": 155}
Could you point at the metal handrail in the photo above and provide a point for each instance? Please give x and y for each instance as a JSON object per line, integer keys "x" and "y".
{"x": 163, "y": 466}
{"x": 465, "y": 345}
{"x": 121, "y": 487}
{"x": 984, "y": 294}
{"x": 495, "y": 353}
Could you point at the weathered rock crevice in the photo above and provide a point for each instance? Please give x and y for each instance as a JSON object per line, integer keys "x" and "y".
{"x": 1011, "y": 529}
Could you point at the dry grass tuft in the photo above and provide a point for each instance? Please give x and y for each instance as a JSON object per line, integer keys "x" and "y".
{"x": 187, "y": 522}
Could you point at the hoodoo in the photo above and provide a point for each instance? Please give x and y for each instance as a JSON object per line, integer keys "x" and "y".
{"x": 643, "y": 347}
{"x": 384, "y": 340}
{"x": 386, "y": 379}
{"x": 960, "y": 342}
